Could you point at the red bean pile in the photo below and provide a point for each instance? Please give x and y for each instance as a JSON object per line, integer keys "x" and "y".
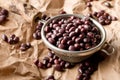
{"x": 72, "y": 33}
{"x": 3, "y": 15}
{"x": 37, "y": 33}
{"x": 55, "y": 61}
{"x": 88, "y": 66}
{"x": 12, "y": 40}
{"x": 85, "y": 70}
{"x": 25, "y": 46}
{"x": 103, "y": 17}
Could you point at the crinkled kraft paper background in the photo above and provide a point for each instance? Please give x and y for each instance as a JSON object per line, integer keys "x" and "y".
{"x": 17, "y": 65}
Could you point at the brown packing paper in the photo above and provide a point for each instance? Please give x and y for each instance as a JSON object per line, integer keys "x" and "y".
{"x": 17, "y": 65}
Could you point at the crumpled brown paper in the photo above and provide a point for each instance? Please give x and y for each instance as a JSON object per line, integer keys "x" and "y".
{"x": 17, "y": 65}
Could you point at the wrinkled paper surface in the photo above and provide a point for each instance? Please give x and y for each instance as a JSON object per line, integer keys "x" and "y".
{"x": 17, "y": 65}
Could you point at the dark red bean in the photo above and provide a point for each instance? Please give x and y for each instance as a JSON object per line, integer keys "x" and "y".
{"x": 75, "y": 24}
{"x": 69, "y": 24}
{"x": 36, "y": 62}
{"x": 87, "y": 22}
{"x": 28, "y": 45}
{"x": 90, "y": 34}
{"x": 70, "y": 42}
{"x": 83, "y": 30}
{"x": 37, "y": 35}
{"x": 55, "y": 57}
{"x": 43, "y": 16}
{"x": 58, "y": 67}
{"x": 54, "y": 37}
{"x": 63, "y": 26}
{"x": 13, "y": 39}
{"x": 72, "y": 17}
{"x": 60, "y": 23}
{"x": 80, "y": 26}
{"x": 38, "y": 27}
{"x": 95, "y": 29}
{"x": 67, "y": 65}
{"x": 80, "y": 70}
{"x": 59, "y": 35}
{"x": 80, "y": 77}
{"x": 59, "y": 59}
{"x": 63, "y": 41}
{"x": 87, "y": 64}
{"x": 90, "y": 15}
{"x": 107, "y": 21}
{"x": 4, "y": 12}
{"x": 86, "y": 40}
{"x": 77, "y": 46}
{"x": 23, "y": 47}
{"x": 73, "y": 38}
{"x": 16, "y": 39}
{"x": 72, "y": 29}
{"x": 87, "y": 72}
{"x": 78, "y": 40}
{"x": 65, "y": 22}
{"x": 54, "y": 32}
{"x": 51, "y": 40}
{"x": 12, "y": 36}
{"x": 107, "y": 4}
{"x": 98, "y": 36}
{"x": 46, "y": 58}
{"x": 72, "y": 34}
{"x": 79, "y": 22}
{"x": 55, "y": 26}
{"x": 114, "y": 18}
{"x": 62, "y": 63}
{"x": 95, "y": 14}
{"x": 89, "y": 4}
{"x": 94, "y": 40}
{"x": 51, "y": 77}
{"x": 81, "y": 44}
{"x": 2, "y": 18}
{"x": 61, "y": 46}
{"x": 48, "y": 35}
{"x": 81, "y": 65}
{"x": 82, "y": 35}
{"x": 47, "y": 29}
{"x": 50, "y": 54}
{"x": 87, "y": 27}
{"x": 56, "y": 61}
{"x": 10, "y": 41}
{"x": 61, "y": 30}
{"x": 51, "y": 61}
{"x": 87, "y": 46}
{"x": 71, "y": 48}
{"x": 40, "y": 65}
{"x": 49, "y": 65}
{"x": 86, "y": 78}
{"x": 65, "y": 34}
{"x": 45, "y": 62}
{"x": 5, "y": 38}
{"x": 77, "y": 31}
{"x": 62, "y": 12}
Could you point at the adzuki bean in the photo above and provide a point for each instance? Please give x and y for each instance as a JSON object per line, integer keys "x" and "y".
{"x": 72, "y": 31}
{"x": 85, "y": 70}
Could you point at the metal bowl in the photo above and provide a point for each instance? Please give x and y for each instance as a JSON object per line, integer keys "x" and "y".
{"x": 74, "y": 56}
